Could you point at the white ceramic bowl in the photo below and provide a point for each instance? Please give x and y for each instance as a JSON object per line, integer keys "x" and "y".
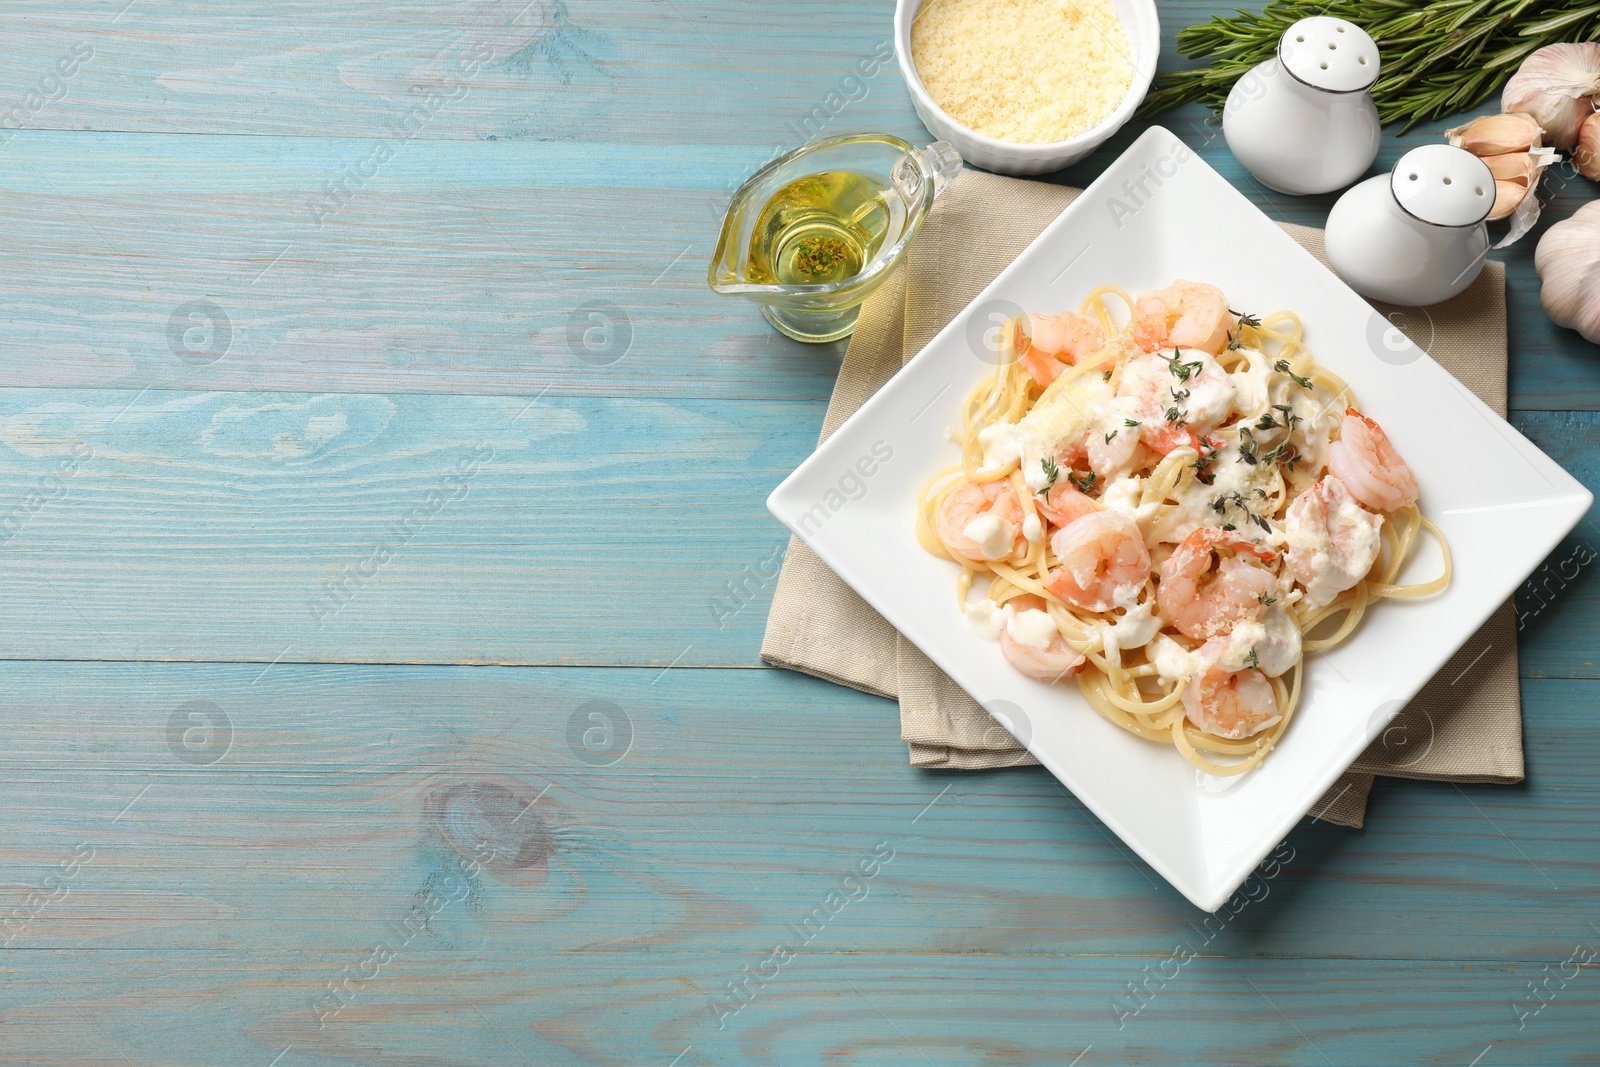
{"x": 1139, "y": 22}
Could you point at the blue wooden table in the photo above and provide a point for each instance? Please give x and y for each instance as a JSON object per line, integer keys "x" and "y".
{"x": 384, "y": 564}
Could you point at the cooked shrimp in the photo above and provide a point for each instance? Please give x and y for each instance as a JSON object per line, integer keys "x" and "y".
{"x": 1049, "y": 344}
{"x": 1333, "y": 541}
{"x": 1364, "y": 460}
{"x": 1063, "y": 503}
{"x": 1116, "y": 452}
{"x": 1189, "y": 314}
{"x": 1224, "y": 703}
{"x": 1032, "y": 644}
{"x": 1176, "y": 394}
{"x": 1098, "y": 553}
{"x": 982, "y": 520}
{"x": 1203, "y": 602}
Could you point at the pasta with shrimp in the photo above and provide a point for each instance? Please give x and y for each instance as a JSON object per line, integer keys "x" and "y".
{"x": 1172, "y": 511}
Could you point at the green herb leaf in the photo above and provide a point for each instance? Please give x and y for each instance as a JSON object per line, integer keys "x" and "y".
{"x": 1051, "y": 473}
{"x": 1249, "y": 450}
{"x": 1282, "y": 367}
{"x": 1181, "y": 370}
{"x": 1250, "y": 660}
{"x": 1441, "y": 57}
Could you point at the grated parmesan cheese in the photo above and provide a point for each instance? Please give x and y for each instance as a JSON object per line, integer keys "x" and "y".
{"x": 1025, "y": 71}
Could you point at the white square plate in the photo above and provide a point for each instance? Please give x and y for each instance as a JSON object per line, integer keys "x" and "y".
{"x": 1159, "y": 213}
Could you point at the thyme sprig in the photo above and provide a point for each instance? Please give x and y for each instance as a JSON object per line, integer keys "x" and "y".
{"x": 1051, "y": 473}
{"x": 1249, "y": 449}
{"x": 1283, "y": 367}
{"x": 1237, "y": 500}
{"x": 1439, "y": 56}
{"x": 1181, "y": 370}
{"x": 1234, "y": 336}
{"x": 1206, "y": 450}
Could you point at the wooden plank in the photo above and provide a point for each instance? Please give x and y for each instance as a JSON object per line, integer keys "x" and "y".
{"x": 1556, "y": 606}
{"x": 631, "y": 70}
{"x": 160, "y": 525}
{"x": 470, "y": 268}
{"x": 228, "y": 808}
{"x": 434, "y": 1003}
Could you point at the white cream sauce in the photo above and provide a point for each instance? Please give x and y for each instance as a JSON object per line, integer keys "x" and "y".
{"x": 992, "y": 536}
{"x": 1033, "y": 628}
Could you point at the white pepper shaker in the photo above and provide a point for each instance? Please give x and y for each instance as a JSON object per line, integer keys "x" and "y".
{"x": 1304, "y": 121}
{"x": 1415, "y": 235}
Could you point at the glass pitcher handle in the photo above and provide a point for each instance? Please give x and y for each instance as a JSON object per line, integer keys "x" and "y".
{"x": 941, "y": 160}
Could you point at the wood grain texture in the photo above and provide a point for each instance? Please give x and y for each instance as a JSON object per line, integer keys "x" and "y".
{"x": 441, "y": 1005}
{"x": 621, "y": 809}
{"x": 587, "y": 122}
{"x": 477, "y": 267}
{"x": 342, "y": 337}
{"x": 159, "y": 525}
{"x": 230, "y": 842}
{"x": 156, "y": 525}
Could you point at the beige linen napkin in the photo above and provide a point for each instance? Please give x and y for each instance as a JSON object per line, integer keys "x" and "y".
{"x": 1465, "y": 725}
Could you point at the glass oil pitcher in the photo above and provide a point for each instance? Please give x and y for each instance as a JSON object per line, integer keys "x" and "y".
{"x": 813, "y": 233}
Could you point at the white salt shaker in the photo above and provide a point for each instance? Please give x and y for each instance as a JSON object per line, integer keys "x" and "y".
{"x": 1415, "y": 235}
{"x": 1303, "y": 121}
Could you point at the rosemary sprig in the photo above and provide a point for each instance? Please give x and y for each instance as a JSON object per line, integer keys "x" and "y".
{"x": 1439, "y": 57}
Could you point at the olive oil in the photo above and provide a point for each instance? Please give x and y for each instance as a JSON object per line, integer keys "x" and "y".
{"x": 822, "y": 228}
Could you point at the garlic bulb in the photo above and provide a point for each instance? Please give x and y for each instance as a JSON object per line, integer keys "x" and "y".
{"x": 1568, "y": 261}
{"x": 1554, "y": 86}
{"x": 1586, "y": 156}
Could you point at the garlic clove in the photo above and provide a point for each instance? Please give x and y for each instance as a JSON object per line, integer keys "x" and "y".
{"x": 1516, "y": 167}
{"x": 1507, "y": 195}
{"x": 1493, "y": 135}
{"x": 1586, "y": 154}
